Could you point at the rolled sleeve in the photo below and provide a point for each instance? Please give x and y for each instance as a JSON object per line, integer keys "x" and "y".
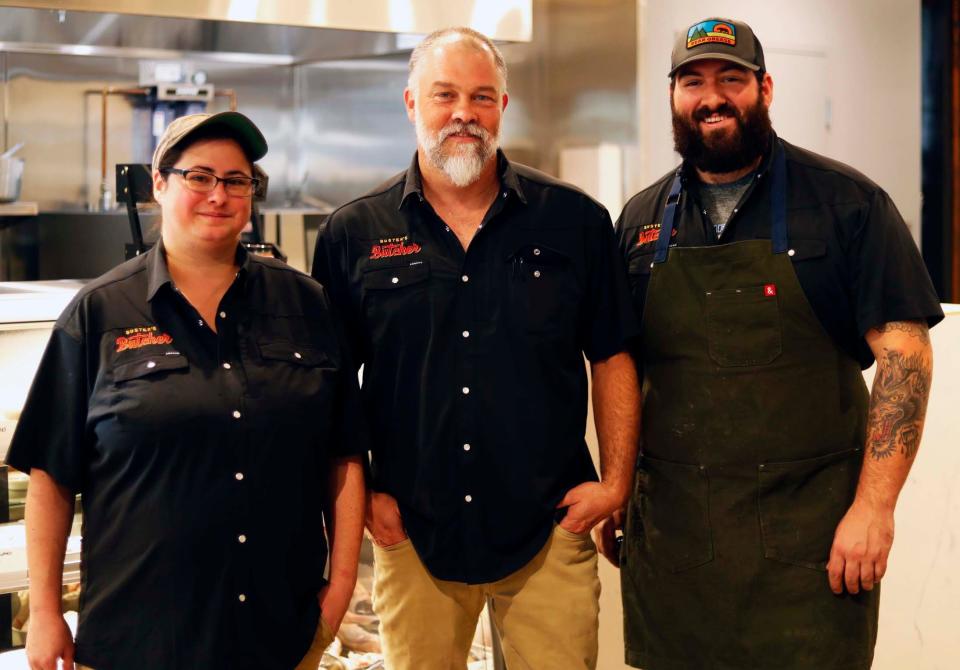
{"x": 608, "y": 323}
{"x": 890, "y": 280}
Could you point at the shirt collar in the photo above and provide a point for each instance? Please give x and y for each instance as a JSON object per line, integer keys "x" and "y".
{"x": 158, "y": 273}
{"x": 413, "y": 181}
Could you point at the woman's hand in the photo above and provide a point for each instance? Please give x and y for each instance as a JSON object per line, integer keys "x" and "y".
{"x": 48, "y": 640}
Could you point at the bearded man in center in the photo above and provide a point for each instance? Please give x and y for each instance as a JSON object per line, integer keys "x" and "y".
{"x": 472, "y": 288}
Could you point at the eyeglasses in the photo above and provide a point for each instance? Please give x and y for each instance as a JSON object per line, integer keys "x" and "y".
{"x": 204, "y": 182}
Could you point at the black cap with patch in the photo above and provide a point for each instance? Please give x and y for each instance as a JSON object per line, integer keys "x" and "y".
{"x": 718, "y": 38}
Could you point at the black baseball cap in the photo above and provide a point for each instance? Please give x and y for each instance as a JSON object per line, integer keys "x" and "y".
{"x": 724, "y": 39}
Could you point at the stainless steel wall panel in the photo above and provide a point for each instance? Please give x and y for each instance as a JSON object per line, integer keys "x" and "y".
{"x": 352, "y": 131}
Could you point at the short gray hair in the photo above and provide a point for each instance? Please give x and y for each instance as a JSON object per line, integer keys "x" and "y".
{"x": 481, "y": 41}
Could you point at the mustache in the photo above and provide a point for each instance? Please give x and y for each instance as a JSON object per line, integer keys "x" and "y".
{"x": 461, "y": 128}
{"x": 702, "y": 113}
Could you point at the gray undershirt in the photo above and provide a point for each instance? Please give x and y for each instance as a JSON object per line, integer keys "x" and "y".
{"x": 720, "y": 199}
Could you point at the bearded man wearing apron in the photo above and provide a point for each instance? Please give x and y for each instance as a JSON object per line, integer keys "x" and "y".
{"x": 767, "y": 277}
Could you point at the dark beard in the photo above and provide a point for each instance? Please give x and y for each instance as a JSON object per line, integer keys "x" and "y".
{"x": 728, "y": 151}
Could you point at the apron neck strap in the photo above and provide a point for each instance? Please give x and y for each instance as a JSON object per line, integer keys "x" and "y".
{"x": 778, "y": 207}
{"x": 669, "y": 216}
{"x": 778, "y": 200}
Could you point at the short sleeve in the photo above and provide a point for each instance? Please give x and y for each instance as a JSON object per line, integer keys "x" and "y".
{"x": 350, "y": 433}
{"x": 890, "y": 280}
{"x": 51, "y": 431}
{"x": 608, "y": 321}
{"x": 331, "y": 269}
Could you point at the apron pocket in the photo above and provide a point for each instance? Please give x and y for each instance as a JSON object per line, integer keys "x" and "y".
{"x": 674, "y": 513}
{"x": 801, "y": 503}
{"x": 743, "y": 326}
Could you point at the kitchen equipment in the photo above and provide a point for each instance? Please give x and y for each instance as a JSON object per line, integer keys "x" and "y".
{"x": 11, "y": 172}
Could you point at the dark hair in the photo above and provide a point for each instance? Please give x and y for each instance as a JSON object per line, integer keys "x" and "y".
{"x": 759, "y": 74}
{"x": 200, "y": 135}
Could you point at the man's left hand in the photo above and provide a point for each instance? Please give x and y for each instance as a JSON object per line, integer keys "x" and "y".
{"x": 334, "y": 600}
{"x": 861, "y": 545}
{"x": 587, "y": 504}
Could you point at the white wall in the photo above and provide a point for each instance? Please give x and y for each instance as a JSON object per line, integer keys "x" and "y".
{"x": 868, "y": 52}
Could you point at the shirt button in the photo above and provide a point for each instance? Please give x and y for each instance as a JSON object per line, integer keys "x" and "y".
{"x": 468, "y": 498}
{"x": 242, "y": 597}
{"x": 241, "y": 538}
{"x": 466, "y": 447}
{"x": 297, "y": 355}
{"x": 791, "y": 252}
{"x": 226, "y": 366}
{"x": 151, "y": 364}
{"x": 394, "y": 280}
{"x": 466, "y": 333}
{"x": 536, "y": 273}
{"x": 447, "y": 228}
{"x": 504, "y": 194}
{"x": 536, "y": 252}
{"x": 466, "y": 390}
{"x": 223, "y": 315}
{"x": 236, "y": 414}
{"x": 465, "y": 279}
{"x": 200, "y": 323}
{"x": 238, "y": 476}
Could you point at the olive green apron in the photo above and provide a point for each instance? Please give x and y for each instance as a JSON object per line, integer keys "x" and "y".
{"x": 753, "y": 429}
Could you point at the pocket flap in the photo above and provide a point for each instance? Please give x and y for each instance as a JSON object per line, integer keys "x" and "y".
{"x": 539, "y": 254}
{"x": 808, "y": 249}
{"x": 292, "y": 352}
{"x": 640, "y": 265}
{"x": 395, "y": 277}
{"x": 149, "y": 365}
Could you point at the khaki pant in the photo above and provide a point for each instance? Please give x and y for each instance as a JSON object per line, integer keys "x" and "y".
{"x": 546, "y": 612}
{"x": 321, "y": 640}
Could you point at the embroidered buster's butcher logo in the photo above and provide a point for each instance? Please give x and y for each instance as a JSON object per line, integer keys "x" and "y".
{"x": 141, "y": 336}
{"x": 711, "y": 31}
{"x": 394, "y": 246}
{"x": 650, "y": 232}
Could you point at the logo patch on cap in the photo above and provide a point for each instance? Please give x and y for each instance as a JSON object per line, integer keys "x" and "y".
{"x": 711, "y": 31}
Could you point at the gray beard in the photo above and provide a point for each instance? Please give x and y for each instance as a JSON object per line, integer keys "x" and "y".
{"x": 463, "y": 166}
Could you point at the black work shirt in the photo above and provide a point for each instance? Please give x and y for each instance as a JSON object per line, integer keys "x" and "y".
{"x": 474, "y": 380}
{"x": 852, "y": 252}
{"x": 202, "y": 461}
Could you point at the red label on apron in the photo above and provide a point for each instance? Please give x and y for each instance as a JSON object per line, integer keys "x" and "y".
{"x": 770, "y": 290}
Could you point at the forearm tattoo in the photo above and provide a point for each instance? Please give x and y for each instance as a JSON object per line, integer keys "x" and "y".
{"x": 898, "y": 403}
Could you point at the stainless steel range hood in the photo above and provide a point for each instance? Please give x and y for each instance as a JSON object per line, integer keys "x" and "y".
{"x": 282, "y": 29}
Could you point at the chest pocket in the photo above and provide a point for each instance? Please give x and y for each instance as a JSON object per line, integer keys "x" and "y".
{"x": 149, "y": 393}
{"x": 395, "y": 295}
{"x": 639, "y": 266}
{"x": 743, "y": 326}
{"x": 306, "y": 373}
{"x": 149, "y": 367}
{"x": 543, "y": 289}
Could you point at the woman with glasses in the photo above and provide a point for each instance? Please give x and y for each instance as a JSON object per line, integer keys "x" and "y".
{"x": 203, "y": 403}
